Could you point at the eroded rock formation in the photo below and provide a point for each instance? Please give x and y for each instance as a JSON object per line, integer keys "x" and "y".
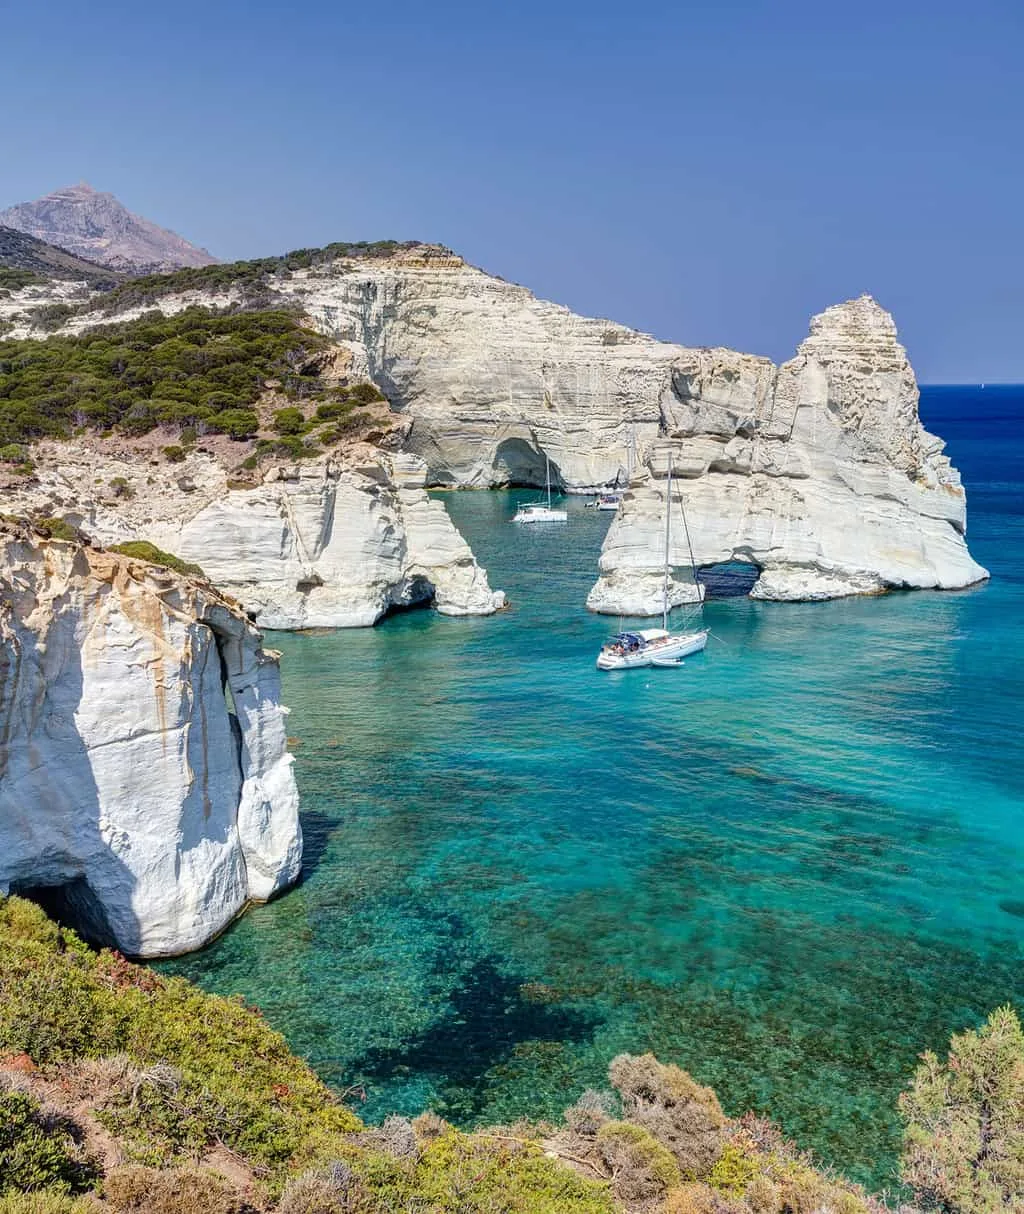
{"x": 129, "y": 786}
{"x": 819, "y": 473}
{"x": 316, "y": 544}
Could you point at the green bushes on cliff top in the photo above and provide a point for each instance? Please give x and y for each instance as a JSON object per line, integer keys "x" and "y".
{"x": 143, "y": 550}
{"x": 248, "y": 277}
{"x": 195, "y": 368}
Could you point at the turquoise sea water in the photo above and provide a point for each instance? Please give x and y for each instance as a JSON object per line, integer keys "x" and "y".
{"x": 789, "y": 866}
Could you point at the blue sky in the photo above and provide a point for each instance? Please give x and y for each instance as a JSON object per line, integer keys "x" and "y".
{"x": 713, "y": 173}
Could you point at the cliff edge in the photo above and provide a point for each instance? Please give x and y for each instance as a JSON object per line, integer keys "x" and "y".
{"x": 144, "y": 777}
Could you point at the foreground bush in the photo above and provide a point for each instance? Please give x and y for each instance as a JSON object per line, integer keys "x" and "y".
{"x": 964, "y": 1118}
{"x": 37, "y": 1151}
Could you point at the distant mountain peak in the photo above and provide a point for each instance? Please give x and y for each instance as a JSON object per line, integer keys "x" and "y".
{"x": 95, "y": 225}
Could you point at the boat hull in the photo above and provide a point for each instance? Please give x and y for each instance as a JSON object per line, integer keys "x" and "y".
{"x": 672, "y": 647}
{"x": 541, "y": 516}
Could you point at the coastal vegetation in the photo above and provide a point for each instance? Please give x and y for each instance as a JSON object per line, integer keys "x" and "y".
{"x": 194, "y": 373}
{"x": 123, "y": 1090}
{"x": 143, "y": 550}
{"x": 248, "y": 278}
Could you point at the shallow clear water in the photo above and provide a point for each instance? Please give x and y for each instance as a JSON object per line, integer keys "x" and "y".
{"x": 789, "y": 866}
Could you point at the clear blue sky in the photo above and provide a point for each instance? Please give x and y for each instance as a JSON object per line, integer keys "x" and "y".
{"x": 713, "y": 173}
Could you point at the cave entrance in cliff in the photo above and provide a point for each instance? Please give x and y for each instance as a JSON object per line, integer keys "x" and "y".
{"x": 728, "y": 579}
{"x": 518, "y": 464}
{"x": 72, "y": 904}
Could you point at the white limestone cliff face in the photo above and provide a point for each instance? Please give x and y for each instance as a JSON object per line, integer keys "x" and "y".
{"x": 318, "y": 544}
{"x": 125, "y": 781}
{"x": 819, "y": 473}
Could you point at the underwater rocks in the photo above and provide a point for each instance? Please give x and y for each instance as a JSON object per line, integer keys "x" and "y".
{"x": 131, "y": 791}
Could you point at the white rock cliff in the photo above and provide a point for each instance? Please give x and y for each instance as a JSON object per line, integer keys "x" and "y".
{"x": 818, "y": 473}
{"x": 319, "y": 544}
{"x": 126, "y": 783}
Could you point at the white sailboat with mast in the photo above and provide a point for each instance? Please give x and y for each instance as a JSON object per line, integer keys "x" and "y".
{"x": 657, "y": 646}
{"x": 538, "y": 512}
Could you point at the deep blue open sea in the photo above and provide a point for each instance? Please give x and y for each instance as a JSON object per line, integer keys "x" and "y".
{"x": 789, "y": 866}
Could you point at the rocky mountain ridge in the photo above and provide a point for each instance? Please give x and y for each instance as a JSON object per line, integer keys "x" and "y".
{"x": 42, "y": 261}
{"x": 96, "y": 226}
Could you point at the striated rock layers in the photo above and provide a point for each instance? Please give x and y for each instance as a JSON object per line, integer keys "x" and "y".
{"x": 818, "y": 472}
{"x": 317, "y": 544}
{"x": 128, "y": 787}
{"x": 98, "y": 227}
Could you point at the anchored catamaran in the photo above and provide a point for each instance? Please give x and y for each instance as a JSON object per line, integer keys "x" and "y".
{"x": 656, "y": 646}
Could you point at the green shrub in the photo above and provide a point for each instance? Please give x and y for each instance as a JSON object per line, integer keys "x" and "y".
{"x": 332, "y": 409}
{"x": 174, "y": 454}
{"x": 963, "y": 1145}
{"x": 13, "y": 453}
{"x": 642, "y": 1167}
{"x": 365, "y": 394}
{"x": 143, "y": 550}
{"x": 289, "y": 421}
{"x": 235, "y": 423}
{"x": 56, "y": 529}
{"x": 37, "y": 1152}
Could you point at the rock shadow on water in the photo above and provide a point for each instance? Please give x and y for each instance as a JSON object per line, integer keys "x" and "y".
{"x": 490, "y": 1016}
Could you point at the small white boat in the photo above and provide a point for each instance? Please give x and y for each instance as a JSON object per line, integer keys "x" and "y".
{"x": 650, "y": 647}
{"x": 539, "y": 512}
{"x": 608, "y": 501}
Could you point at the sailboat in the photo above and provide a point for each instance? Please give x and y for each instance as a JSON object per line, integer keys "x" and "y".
{"x": 611, "y": 499}
{"x": 538, "y": 512}
{"x": 655, "y": 646}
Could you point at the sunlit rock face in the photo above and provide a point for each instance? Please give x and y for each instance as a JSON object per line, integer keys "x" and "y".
{"x": 819, "y": 473}
{"x": 320, "y": 544}
{"x": 127, "y": 785}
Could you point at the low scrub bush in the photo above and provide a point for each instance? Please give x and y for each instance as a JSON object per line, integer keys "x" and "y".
{"x": 56, "y": 529}
{"x": 143, "y": 550}
{"x": 641, "y": 1166}
{"x": 141, "y": 1190}
{"x": 677, "y": 1110}
{"x": 963, "y": 1146}
{"x": 38, "y": 1152}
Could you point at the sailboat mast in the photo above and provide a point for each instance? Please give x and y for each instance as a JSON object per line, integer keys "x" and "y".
{"x": 668, "y": 534}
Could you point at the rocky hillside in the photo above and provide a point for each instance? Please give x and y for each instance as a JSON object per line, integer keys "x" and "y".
{"x": 24, "y": 260}
{"x": 96, "y": 226}
{"x": 132, "y": 793}
{"x": 818, "y": 472}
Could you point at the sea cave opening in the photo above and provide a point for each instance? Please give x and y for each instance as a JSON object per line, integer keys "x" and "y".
{"x": 72, "y": 904}
{"x": 728, "y": 579}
